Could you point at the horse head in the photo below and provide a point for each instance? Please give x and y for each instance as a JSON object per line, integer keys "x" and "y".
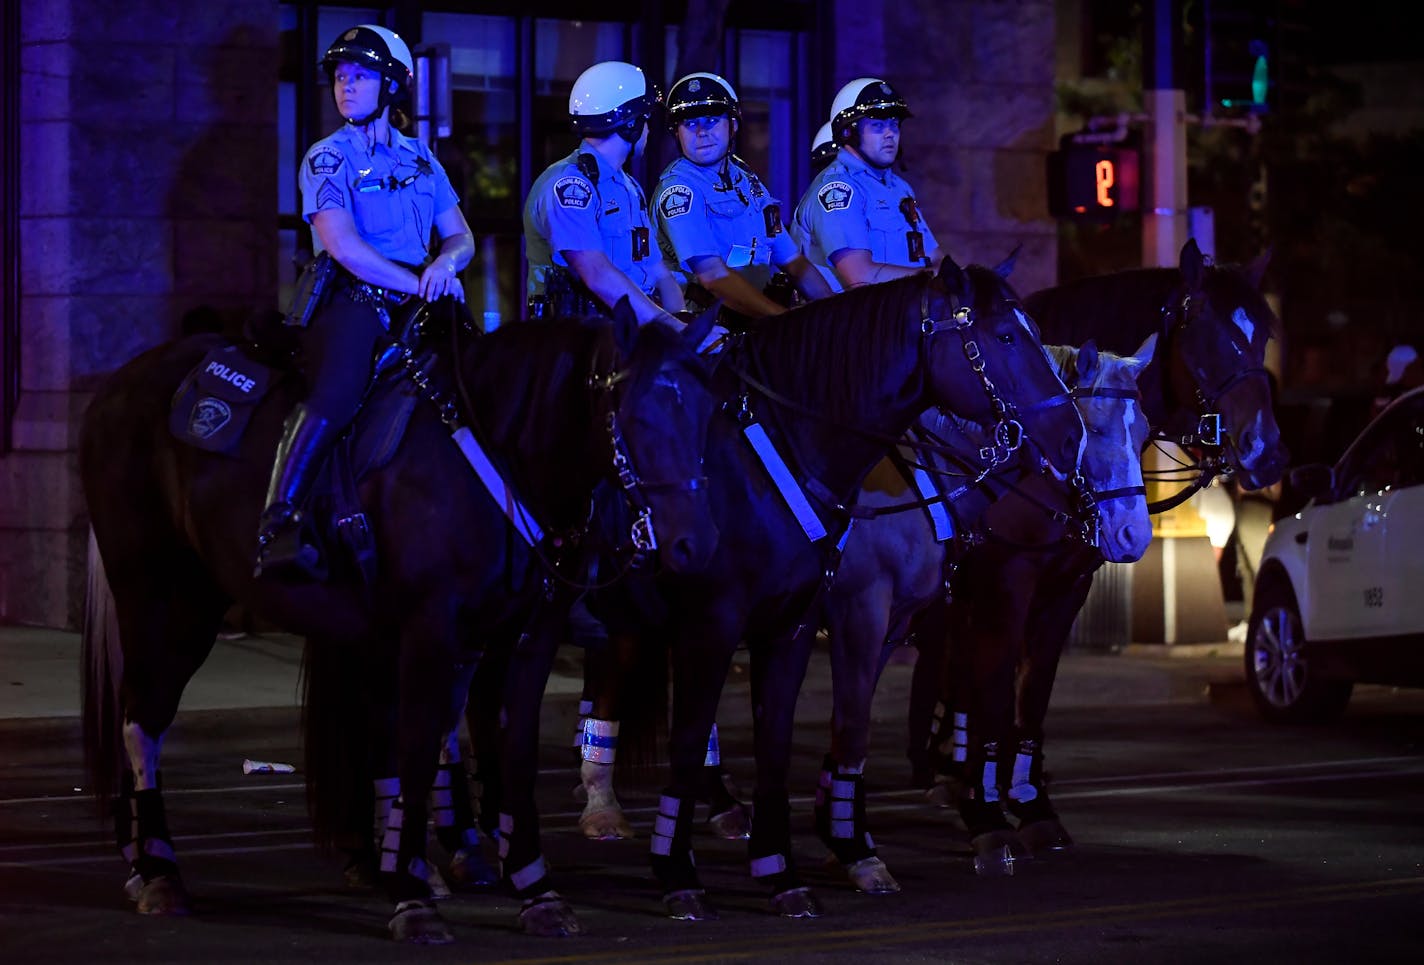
{"x": 658, "y": 429}
{"x": 1218, "y": 325}
{"x": 1105, "y": 390}
{"x": 1013, "y": 386}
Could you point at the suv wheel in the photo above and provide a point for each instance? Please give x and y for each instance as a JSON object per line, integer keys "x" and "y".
{"x": 1285, "y": 685}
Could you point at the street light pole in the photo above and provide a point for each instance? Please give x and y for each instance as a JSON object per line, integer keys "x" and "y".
{"x": 1164, "y": 215}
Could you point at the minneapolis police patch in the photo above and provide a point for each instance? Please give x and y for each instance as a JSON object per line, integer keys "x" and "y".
{"x": 835, "y": 195}
{"x": 326, "y": 160}
{"x": 573, "y": 192}
{"x": 675, "y": 201}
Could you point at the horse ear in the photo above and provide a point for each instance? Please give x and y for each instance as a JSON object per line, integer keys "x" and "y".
{"x": 1087, "y": 362}
{"x": 951, "y": 275}
{"x": 1256, "y": 269}
{"x": 1192, "y": 265}
{"x": 1146, "y": 350}
{"x": 698, "y": 329}
{"x": 625, "y": 325}
{"x": 1005, "y": 268}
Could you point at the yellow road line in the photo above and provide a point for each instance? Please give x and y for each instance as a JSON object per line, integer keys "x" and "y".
{"x": 909, "y": 933}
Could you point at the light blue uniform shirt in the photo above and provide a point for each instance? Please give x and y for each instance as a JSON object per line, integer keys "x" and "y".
{"x": 567, "y": 210}
{"x": 393, "y": 192}
{"x": 721, "y": 210}
{"x": 853, "y": 205}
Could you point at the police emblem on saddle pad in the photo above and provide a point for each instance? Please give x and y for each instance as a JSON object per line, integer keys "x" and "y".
{"x": 214, "y": 403}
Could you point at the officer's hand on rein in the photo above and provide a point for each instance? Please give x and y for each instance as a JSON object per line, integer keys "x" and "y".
{"x": 439, "y": 279}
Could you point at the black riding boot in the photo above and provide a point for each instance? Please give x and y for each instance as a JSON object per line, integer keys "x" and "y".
{"x": 281, "y": 551}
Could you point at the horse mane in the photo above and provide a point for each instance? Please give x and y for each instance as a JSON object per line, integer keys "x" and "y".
{"x": 828, "y": 345}
{"x": 1133, "y": 299}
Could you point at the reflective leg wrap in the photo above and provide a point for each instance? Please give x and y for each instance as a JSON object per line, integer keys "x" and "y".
{"x": 714, "y": 750}
{"x": 153, "y": 845}
{"x": 841, "y": 819}
{"x": 585, "y": 708}
{"x": 959, "y": 739}
{"x": 770, "y": 847}
{"x": 982, "y": 810}
{"x": 600, "y": 740}
{"x": 1027, "y": 797}
{"x": 671, "y": 852}
{"x": 403, "y": 857}
{"x": 521, "y": 865}
{"x": 387, "y": 789}
{"x": 454, "y": 814}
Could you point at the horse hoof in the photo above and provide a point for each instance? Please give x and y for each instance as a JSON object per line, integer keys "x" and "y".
{"x": 418, "y": 923}
{"x": 164, "y": 895}
{"x": 945, "y": 792}
{"x": 997, "y": 854}
{"x": 871, "y": 877}
{"x": 733, "y": 824}
{"x": 133, "y": 888}
{"x": 797, "y": 903}
{"x": 550, "y": 917}
{"x": 1045, "y": 837}
{"x": 469, "y": 869}
{"x": 359, "y": 874}
{"x": 689, "y": 904}
{"x": 605, "y": 824}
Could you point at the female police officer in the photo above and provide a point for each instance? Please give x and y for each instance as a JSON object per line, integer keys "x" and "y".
{"x": 864, "y": 221}
{"x": 372, "y": 197}
{"x": 714, "y": 217}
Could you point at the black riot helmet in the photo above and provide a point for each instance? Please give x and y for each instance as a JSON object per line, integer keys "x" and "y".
{"x": 701, "y": 95}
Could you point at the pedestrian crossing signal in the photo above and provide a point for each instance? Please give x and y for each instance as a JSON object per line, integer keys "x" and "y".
{"x": 1094, "y": 177}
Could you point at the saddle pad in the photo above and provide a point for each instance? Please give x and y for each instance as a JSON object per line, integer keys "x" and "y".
{"x": 216, "y": 399}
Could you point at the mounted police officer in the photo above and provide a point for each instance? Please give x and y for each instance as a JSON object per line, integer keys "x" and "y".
{"x": 859, "y": 217}
{"x": 714, "y": 217}
{"x": 586, "y": 230}
{"x": 823, "y": 152}
{"x": 373, "y": 197}
{"x": 823, "y": 148}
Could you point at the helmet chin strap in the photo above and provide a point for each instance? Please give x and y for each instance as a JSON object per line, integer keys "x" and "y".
{"x": 632, "y": 132}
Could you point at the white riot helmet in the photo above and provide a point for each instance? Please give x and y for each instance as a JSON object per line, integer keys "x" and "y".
{"x": 379, "y": 49}
{"x": 610, "y": 97}
{"x": 864, "y": 97}
{"x": 823, "y": 147}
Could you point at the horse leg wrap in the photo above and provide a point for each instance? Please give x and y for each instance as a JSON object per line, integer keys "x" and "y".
{"x": 490, "y": 789}
{"x": 1027, "y": 797}
{"x": 671, "y": 853}
{"x": 585, "y": 709}
{"x": 387, "y": 789}
{"x": 454, "y": 814}
{"x": 403, "y": 857}
{"x": 982, "y": 810}
{"x": 153, "y": 846}
{"x": 125, "y": 815}
{"x": 770, "y": 848}
{"x": 520, "y": 862}
{"x": 844, "y": 826}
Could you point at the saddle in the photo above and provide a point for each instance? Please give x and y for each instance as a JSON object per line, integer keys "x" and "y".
{"x": 214, "y": 403}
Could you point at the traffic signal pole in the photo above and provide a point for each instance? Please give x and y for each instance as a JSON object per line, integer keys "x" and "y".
{"x": 1164, "y": 210}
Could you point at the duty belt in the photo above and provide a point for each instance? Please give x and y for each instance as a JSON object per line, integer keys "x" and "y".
{"x": 565, "y": 296}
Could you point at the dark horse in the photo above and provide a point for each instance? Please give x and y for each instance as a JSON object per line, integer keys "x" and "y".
{"x": 558, "y": 407}
{"x": 832, "y": 385}
{"x": 931, "y": 506}
{"x": 1207, "y": 389}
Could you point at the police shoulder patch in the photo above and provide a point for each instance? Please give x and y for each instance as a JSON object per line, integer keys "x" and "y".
{"x": 325, "y": 160}
{"x": 573, "y": 192}
{"x": 675, "y": 201}
{"x": 835, "y": 195}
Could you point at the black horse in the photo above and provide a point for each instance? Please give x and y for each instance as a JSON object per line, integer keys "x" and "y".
{"x": 556, "y": 407}
{"x": 831, "y": 387}
{"x": 1207, "y": 389}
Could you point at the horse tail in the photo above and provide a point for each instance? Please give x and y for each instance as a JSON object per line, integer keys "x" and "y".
{"x": 643, "y": 706}
{"x": 101, "y": 675}
{"x": 336, "y": 742}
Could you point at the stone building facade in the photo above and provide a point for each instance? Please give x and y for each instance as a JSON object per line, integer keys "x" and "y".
{"x": 148, "y": 189}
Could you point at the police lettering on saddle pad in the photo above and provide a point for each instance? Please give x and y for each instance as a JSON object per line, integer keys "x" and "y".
{"x": 214, "y": 403}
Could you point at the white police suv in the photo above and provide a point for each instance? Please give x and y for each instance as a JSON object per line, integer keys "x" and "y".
{"x": 1340, "y": 592}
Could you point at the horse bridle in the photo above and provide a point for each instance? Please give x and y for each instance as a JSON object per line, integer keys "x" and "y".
{"x": 1208, "y": 432}
{"x": 635, "y": 487}
{"x": 1094, "y": 498}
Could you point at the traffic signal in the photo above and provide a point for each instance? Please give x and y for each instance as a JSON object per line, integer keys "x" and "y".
{"x": 1239, "y": 55}
{"x": 1094, "y": 176}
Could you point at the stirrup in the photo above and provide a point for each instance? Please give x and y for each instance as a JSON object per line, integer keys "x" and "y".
{"x": 282, "y": 553}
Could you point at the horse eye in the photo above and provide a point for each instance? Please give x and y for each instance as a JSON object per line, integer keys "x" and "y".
{"x": 1007, "y": 337}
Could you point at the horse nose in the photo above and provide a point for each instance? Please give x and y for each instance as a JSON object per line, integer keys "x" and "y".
{"x": 1132, "y": 540}
{"x": 686, "y": 554}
